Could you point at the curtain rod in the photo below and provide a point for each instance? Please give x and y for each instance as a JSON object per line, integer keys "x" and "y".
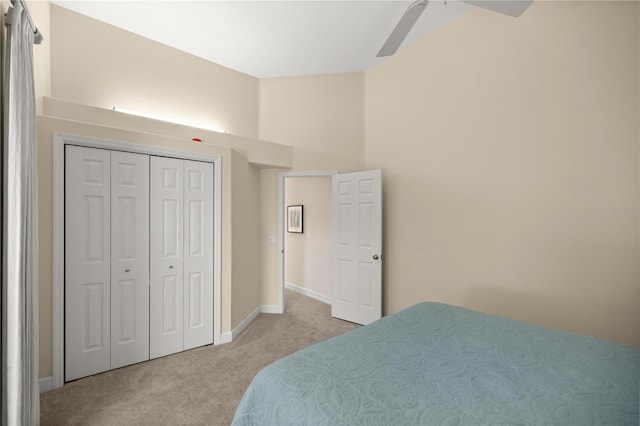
{"x": 38, "y": 36}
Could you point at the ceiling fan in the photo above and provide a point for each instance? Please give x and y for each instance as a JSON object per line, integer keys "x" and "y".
{"x": 415, "y": 9}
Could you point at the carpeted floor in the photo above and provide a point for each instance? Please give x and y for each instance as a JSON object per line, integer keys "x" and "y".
{"x": 200, "y": 386}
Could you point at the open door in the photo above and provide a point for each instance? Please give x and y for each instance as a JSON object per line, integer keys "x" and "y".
{"x": 357, "y": 246}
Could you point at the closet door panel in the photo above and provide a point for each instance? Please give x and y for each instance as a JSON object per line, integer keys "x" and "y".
{"x": 129, "y": 258}
{"x": 166, "y": 251}
{"x": 87, "y": 261}
{"x": 198, "y": 256}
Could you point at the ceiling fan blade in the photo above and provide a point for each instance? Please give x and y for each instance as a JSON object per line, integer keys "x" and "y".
{"x": 401, "y": 30}
{"x": 508, "y": 7}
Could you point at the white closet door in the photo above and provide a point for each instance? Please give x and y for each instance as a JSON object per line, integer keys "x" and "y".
{"x": 166, "y": 251}
{"x": 198, "y": 254}
{"x": 129, "y": 258}
{"x": 87, "y": 261}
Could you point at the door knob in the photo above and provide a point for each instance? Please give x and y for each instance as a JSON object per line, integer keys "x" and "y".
{"x": 376, "y": 257}
{"x": 127, "y": 270}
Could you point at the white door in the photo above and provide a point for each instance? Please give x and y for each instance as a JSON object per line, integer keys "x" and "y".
{"x": 129, "y": 258}
{"x": 198, "y": 254}
{"x": 87, "y": 261}
{"x": 357, "y": 246}
{"x": 166, "y": 251}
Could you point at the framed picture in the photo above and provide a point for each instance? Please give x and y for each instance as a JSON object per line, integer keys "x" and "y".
{"x": 294, "y": 219}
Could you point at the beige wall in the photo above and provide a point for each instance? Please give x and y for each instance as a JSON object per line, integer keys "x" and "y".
{"x": 93, "y": 63}
{"x": 322, "y": 118}
{"x": 41, "y": 15}
{"x": 507, "y": 146}
{"x": 245, "y": 228}
{"x": 308, "y": 255}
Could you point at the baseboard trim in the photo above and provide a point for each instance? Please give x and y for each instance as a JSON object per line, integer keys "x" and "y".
{"x": 228, "y": 336}
{"x": 245, "y": 323}
{"x": 225, "y": 337}
{"x": 270, "y": 309}
{"x": 309, "y": 293}
{"x": 46, "y": 384}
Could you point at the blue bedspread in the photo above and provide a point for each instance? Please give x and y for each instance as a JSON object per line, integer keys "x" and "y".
{"x": 435, "y": 364}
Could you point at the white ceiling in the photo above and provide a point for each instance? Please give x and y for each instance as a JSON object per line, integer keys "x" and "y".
{"x": 272, "y": 38}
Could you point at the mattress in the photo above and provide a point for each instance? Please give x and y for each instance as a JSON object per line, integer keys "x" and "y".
{"x": 435, "y": 364}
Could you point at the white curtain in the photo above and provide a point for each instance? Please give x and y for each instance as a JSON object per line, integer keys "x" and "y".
{"x": 20, "y": 393}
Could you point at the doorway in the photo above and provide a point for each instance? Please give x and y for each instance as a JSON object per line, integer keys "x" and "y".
{"x": 305, "y": 251}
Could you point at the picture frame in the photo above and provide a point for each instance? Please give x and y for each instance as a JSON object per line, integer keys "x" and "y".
{"x": 295, "y": 219}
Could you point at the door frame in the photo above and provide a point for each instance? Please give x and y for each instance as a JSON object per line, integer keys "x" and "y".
{"x": 281, "y": 209}
{"x": 60, "y": 140}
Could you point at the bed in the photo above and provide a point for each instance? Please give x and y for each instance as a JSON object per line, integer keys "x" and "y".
{"x": 436, "y": 364}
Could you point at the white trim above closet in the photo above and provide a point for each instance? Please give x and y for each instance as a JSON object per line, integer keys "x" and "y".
{"x": 59, "y": 142}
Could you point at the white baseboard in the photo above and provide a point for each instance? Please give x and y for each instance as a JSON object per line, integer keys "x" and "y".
{"x": 245, "y": 323}
{"x": 225, "y": 337}
{"x": 46, "y": 384}
{"x": 270, "y": 309}
{"x": 230, "y": 335}
{"x": 309, "y": 293}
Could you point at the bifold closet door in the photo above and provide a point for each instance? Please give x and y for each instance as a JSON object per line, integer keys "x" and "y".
{"x": 106, "y": 260}
{"x": 198, "y": 254}
{"x": 129, "y": 258}
{"x": 166, "y": 311}
{"x": 181, "y": 293}
{"x": 87, "y": 261}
